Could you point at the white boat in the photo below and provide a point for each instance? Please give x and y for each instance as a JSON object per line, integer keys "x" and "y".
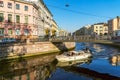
{"x": 70, "y": 63}
{"x": 73, "y": 55}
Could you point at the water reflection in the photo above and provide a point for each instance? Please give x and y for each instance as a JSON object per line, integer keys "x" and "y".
{"x": 98, "y": 50}
{"x": 99, "y": 68}
{"x": 91, "y": 74}
{"x": 38, "y": 68}
{"x": 104, "y": 65}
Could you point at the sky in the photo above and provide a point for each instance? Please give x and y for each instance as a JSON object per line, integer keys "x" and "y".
{"x": 80, "y": 13}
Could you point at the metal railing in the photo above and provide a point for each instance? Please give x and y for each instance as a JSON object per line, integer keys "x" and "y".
{"x": 57, "y": 39}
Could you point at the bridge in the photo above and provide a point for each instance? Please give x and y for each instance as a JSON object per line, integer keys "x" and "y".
{"x": 83, "y": 39}
{"x": 102, "y": 40}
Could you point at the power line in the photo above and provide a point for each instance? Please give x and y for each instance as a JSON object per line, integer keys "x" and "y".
{"x": 78, "y": 12}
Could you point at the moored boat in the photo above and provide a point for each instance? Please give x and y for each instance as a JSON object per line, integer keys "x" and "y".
{"x": 73, "y": 55}
{"x": 71, "y": 63}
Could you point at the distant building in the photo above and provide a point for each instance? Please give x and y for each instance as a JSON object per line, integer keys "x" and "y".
{"x": 81, "y": 31}
{"x": 114, "y": 26}
{"x": 63, "y": 32}
{"x": 99, "y": 29}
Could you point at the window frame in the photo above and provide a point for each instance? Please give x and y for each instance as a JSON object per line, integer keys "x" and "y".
{"x": 1, "y": 4}
{"x": 17, "y": 18}
{"x": 25, "y": 8}
{"x": 26, "y": 19}
{"x": 9, "y": 5}
{"x": 17, "y": 32}
{"x": 10, "y": 32}
{"x": 1, "y": 31}
{"x": 18, "y": 6}
{"x": 2, "y": 17}
{"x": 9, "y": 17}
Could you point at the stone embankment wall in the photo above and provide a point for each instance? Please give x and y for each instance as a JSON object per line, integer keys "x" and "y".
{"x": 22, "y": 49}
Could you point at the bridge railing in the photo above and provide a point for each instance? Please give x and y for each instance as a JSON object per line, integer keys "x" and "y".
{"x": 87, "y": 38}
{"x": 70, "y": 38}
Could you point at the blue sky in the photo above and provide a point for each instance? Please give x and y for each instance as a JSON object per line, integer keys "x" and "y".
{"x": 82, "y": 12}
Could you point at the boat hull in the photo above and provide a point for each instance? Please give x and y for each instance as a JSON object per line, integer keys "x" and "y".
{"x": 64, "y": 58}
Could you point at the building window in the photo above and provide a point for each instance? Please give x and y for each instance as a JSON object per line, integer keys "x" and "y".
{"x": 106, "y": 29}
{"x": 26, "y": 8}
{"x": 1, "y": 4}
{"x": 17, "y": 31}
{"x": 17, "y": 19}
{"x": 9, "y": 5}
{"x": 17, "y": 6}
{"x": 26, "y": 19}
{"x": 9, "y": 31}
{"x": 1, "y": 31}
{"x": 100, "y": 31}
{"x": 100, "y": 26}
{"x": 1, "y": 17}
{"x": 26, "y": 31}
{"x": 9, "y": 17}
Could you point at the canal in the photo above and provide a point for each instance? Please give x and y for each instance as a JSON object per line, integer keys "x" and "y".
{"x": 104, "y": 65}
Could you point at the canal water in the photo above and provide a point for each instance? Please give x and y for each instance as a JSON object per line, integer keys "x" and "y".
{"x": 104, "y": 65}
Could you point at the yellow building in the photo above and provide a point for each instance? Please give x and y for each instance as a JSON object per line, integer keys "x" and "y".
{"x": 99, "y": 29}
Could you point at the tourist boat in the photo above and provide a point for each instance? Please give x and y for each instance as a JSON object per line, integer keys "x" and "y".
{"x": 73, "y": 56}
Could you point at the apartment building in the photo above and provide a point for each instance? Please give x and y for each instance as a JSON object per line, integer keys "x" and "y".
{"x": 18, "y": 18}
{"x": 45, "y": 19}
{"x": 114, "y": 26}
{"x": 99, "y": 29}
{"x": 24, "y": 18}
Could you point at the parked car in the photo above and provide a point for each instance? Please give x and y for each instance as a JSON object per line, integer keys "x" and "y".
{"x": 8, "y": 40}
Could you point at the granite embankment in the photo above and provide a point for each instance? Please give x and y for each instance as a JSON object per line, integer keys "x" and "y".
{"x": 114, "y": 43}
{"x": 11, "y": 51}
